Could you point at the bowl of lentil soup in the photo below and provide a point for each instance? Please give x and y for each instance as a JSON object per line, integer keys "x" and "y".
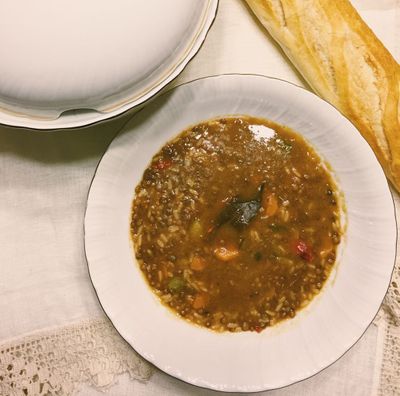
{"x": 236, "y": 223}
{"x": 232, "y": 233}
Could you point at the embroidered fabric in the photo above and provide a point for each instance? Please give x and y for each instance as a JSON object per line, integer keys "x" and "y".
{"x": 391, "y": 304}
{"x": 388, "y": 321}
{"x": 55, "y": 362}
{"x": 389, "y": 383}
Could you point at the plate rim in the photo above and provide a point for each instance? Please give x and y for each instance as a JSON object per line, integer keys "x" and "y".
{"x": 36, "y": 124}
{"x": 229, "y": 388}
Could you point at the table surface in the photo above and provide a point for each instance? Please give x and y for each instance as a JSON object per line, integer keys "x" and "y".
{"x": 44, "y": 181}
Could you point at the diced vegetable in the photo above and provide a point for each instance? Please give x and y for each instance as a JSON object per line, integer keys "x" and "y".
{"x": 200, "y": 301}
{"x": 198, "y": 263}
{"x": 162, "y": 164}
{"x": 226, "y": 253}
{"x": 176, "y": 284}
{"x": 304, "y": 251}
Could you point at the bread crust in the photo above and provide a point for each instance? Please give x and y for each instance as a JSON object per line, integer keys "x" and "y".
{"x": 345, "y": 63}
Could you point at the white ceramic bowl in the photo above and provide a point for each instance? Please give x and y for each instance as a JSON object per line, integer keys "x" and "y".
{"x": 292, "y": 350}
{"x": 71, "y": 63}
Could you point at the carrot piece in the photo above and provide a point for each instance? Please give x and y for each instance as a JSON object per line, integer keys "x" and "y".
{"x": 200, "y": 301}
{"x": 198, "y": 263}
{"x": 269, "y": 204}
{"x": 226, "y": 253}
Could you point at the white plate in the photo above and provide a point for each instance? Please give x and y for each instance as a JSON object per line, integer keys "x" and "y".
{"x": 290, "y": 351}
{"x": 69, "y": 63}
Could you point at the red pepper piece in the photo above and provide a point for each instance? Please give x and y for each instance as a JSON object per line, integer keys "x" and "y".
{"x": 162, "y": 164}
{"x": 258, "y": 329}
{"x": 304, "y": 251}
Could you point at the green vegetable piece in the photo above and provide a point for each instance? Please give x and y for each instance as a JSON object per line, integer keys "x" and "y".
{"x": 176, "y": 284}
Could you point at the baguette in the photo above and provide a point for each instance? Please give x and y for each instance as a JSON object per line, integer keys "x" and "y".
{"x": 344, "y": 63}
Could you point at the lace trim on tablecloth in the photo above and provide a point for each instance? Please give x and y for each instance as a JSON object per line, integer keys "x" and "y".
{"x": 389, "y": 381}
{"x": 54, "y": 362}
{"x": 388, "y": 320}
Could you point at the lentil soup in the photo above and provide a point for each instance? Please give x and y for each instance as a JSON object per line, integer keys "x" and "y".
{"x": 236, "y": 223}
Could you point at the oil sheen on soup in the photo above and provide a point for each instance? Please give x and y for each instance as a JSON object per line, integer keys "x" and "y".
{"x": 236, "y": 223}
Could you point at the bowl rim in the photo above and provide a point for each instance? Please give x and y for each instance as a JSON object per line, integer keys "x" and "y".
{"x": 235, "y": 388}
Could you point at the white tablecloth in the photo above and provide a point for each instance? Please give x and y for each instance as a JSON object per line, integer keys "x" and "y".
{"x": 44, "y": 180}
